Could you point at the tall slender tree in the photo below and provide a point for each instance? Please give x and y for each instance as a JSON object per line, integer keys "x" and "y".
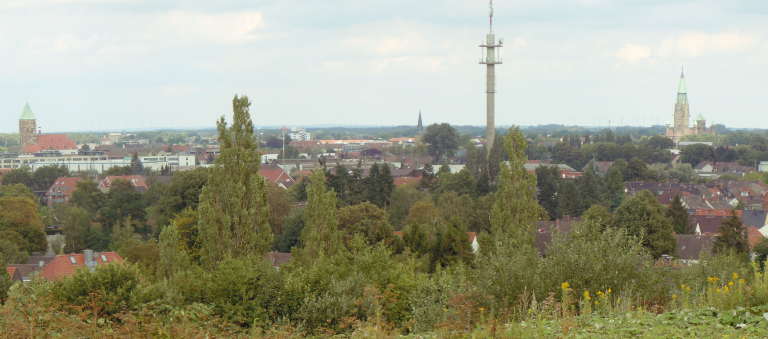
{"x": 569, "y": 200}
{"x": 320, "y": 236}
{"x": 5, "y": 280}
{"x": 136, "y": 165}
{"x": 496, "y": 156}
{"x": 234, "y": 207}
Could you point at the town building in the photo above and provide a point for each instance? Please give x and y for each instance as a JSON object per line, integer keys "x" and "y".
{"x": 65, "y": 265}
{"x": 300, "y": 133}
{"x": 682, "y": 118}
{"x": 61, "y": 190}
{"x": 31, "y": 139}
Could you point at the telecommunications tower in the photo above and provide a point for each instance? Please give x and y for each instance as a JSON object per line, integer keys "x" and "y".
{"x": 490, "y": 59}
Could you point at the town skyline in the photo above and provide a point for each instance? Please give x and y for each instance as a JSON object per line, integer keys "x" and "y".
{"x": 100, "y": 69}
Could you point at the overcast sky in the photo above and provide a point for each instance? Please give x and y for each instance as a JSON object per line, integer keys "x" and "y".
{"x": 113, "y": 64}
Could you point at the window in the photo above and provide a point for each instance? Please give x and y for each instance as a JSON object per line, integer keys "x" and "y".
{"x": 72, "y": 260}
{"x": 104, "y": 258}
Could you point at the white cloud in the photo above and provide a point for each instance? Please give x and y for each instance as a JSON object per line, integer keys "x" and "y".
{"x": 632, "y": 53}
{"x": 694, "y": 44}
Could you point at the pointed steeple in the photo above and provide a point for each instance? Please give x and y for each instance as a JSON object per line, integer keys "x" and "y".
{"x": 26, "y": 114}
{"x": 420, "y": 126}
{"x": 681, "y": 86}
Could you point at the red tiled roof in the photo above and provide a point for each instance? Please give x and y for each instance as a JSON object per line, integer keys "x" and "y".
{"x": 136, "y": 180}
{"x": 62, "y": 183}
{"x": 754, "y": 236}
{"x": 62, "y": 265}
{"x": 51, "y": 142}
{"x": 11, "y": 270}
{"x": 275, "y": 175}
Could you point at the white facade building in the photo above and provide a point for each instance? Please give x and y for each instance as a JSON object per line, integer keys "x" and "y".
{"x": 300, "y": 133}
{"x": 101, "y": 163}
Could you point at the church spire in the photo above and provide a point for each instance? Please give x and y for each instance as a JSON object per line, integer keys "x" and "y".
{"x": 420, "y": 126}
{"x": 681, "y": 86}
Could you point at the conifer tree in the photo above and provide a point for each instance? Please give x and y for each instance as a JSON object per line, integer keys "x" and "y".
{"x": 548, "y": 182}
{"x": 385, "y": 184}
{"x": 586, "y": 139}
{"x": 515, "y": 211}
{"x": 320, "y": 236}
{"x": 444, "y": 169}
{"x": 415, "y": 238}
{"x": 427, "y": 178}
{"x": 679, "y": 216}
{"x": 136, "y": 165}
{"x": 371, "y": 185}
{"x": 456, "y": 247}
{"x": 569, "y": 200}
{"x": 483, "y": 186}
{"x": 591, "y": 187}
{"x": 234, "y": 207}
{"x": 733, "y": 235}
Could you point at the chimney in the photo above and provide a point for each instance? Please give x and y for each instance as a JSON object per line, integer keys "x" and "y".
{"x": 39, "y": 130}
{"x": 88, "y": 254}
{"x": 40, "y": 263}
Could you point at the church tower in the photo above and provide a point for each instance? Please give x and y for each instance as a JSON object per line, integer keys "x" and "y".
{"x": 27, "y": 127}
{"x": 682, "y": 118}
{"x": 420, "y": 126}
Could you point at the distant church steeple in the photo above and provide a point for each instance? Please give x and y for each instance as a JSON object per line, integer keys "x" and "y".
{"x": 27, "y": 127}
{"x": 420, "y": 126}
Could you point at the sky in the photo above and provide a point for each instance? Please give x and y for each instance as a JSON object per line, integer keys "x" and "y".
{"x": 146, "y": 64}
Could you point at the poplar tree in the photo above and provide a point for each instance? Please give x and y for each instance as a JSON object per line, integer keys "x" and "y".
{"x": 495, "y": 156}
{"x": 173, "y": 256}
{"x": 320, "y": 236}
{"x": 515, "y": 211}
{"x": 234, "y": 207}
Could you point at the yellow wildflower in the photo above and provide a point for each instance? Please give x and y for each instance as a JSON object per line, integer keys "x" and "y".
{"x": 741, "y": 281}
{"x": 565, "y": 285}
{"x": 682, "y": 286}
{"x": 717, "y": 290}
{"x": 709, "y": 279}
{"x": 586, "y": 295}
{"x": 735, "y": 276}
{"x": 595, "y": 302}
{"x": 687, "y": 288}
{"x": 730, "y": 283}
{"x": 618, "y": 301}
{"x": 725, "y": 290}
{"x": 674, "y": 296}
{"x": 609, "y": 290}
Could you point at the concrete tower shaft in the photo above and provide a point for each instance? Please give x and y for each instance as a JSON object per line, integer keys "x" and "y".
{"x": 491, "y": 59}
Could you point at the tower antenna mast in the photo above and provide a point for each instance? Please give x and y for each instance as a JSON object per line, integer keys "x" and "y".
{"x": 491, "y": 60}
{"x": 490, "y": 17}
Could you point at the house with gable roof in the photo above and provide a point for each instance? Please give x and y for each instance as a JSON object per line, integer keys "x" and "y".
{"x": 61, "y": 190}
{"x": 65, "y": 265}
{"x": 136, "y": 180}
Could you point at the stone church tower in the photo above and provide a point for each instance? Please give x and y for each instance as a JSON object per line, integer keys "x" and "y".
{"x": 682, "y": 118}
{"x": 27, "y": 127}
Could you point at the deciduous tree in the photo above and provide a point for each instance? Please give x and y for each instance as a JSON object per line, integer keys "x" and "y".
{"x": 234, "y": 206}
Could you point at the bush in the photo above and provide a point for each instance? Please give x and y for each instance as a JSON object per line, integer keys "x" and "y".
{"x": 107, "y": 290}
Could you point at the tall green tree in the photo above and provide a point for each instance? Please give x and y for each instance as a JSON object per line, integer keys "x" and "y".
{"x": 548, "y": 182}
{"x": 592, "y": 188}
{"x": 643, "y": 215}
{"x": 679, "y": 216}
{"x": 320, "y": 236}
{"x": 372, "y": 189}
{"x": 173, "y": 256}
{"x": 693, "y": 154}
{"x": 427, "y": 178}
{"x": 181, "y": 193}
{"x": 443, "y": 139}
{"x": 515, "y": 211}
{"x": 234, "y": 207}
{"x": 136, "y": 165}
{"x": 496, "y": 156}
{"x": 87, "y": 195}
{"x": 733, "y": 235}
{"x": 569, "y": 200}
{"x": 386, "y": 184}
{"x": 19, "y": 215}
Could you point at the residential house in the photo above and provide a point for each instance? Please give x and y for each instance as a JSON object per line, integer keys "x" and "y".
{"x": 690, "y": 246}
{"x": 14, "y": 273}
{"x": 65, "y": 265}
{"x": 136, "y": 180}
{"x": 275, "y": 174}
{"x": 276, "y": 258}
{"x": 61, "y": 190}
{"x": 599, "y": 166}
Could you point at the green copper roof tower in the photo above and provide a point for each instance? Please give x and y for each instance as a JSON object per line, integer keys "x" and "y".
{"x": 26, "y": 114}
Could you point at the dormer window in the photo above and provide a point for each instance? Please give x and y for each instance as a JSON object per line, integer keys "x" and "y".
{"x": 104, "y": 258}
{"x": 72, "y": 260}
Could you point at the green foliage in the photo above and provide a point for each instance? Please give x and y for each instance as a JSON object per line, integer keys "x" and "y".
{"x": 598, "y": 215}
{"x": 17, "y": 190}
{"x": 234, "y": 206}
{"x": 45, "y": 176}
{"x": 117, "y": 171}
{"x": 565, "y": 153}
{"x": 21, "y": 175}
{"x": 693, "y": 154}
{"x": 496, "y": 156}
{"x": 679, "y": 216}
{"x": 320, "y": 236}
{"x": 733, "y": 235}
{"x": 5, "y": 280}
{"x": 121, "y": 203}
{"x": 280, "y": 205}
{"x": 403, "y": 198}
{"x": 172, "y": 252}
{"x": 569, "y": 200}
{"x": 21, "y": 215}
{"x": 108, "y": 289}
{"x": 548, "y": 182}
{"x": 87, "y": 195}
{"x": 443, "y": 139}
{"x": 293, "y": 225}
{"x": 145, "y": 255}
{"x": 641, "y": 215}
{"x": 137, "y": 167}
{"x": 9, "y": 248}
